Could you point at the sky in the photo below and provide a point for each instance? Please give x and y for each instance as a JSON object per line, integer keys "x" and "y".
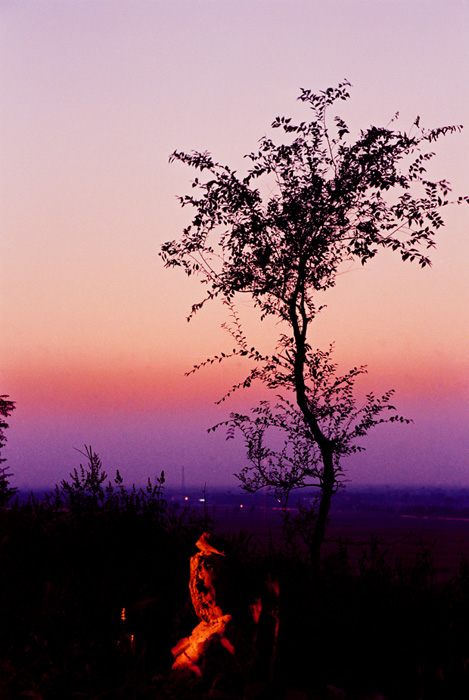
{"x": 96, "y": 94}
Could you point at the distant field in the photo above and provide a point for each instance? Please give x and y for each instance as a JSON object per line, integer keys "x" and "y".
{"x": 403, "y": 536}
{"x": 404, "y": 520}
{"x": 406, "y": 536}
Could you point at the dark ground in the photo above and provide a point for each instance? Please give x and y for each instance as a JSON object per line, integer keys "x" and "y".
{"x": 388, "y": 618}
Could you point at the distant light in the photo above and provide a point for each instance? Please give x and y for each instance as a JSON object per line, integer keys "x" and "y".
{"x": 186, "y": 498}
{"x": 201, "y": 500}
{"x": 241, "y": 505}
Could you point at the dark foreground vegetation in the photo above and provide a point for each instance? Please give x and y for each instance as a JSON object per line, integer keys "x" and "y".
{"x": 94, "y": 595}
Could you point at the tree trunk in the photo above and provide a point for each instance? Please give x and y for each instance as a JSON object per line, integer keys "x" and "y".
{"x": 325, "y": 445}
{"x": 319, "y": 532}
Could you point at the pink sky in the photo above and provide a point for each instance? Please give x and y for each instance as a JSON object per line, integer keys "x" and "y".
{"x": 95, "y": 343}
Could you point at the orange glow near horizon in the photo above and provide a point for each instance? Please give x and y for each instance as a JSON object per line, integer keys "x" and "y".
{"x": 74, "y": 388}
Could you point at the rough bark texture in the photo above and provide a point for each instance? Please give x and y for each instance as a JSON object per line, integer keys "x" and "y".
{"x": 205, "y": 570}
{"x": 207, "y": 590}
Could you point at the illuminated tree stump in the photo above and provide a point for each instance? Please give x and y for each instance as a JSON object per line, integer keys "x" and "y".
{"x": 206, "y": 589}
{"x": 190, "y": 652}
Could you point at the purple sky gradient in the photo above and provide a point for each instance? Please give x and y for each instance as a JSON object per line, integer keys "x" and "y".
{"x": 95, "y": 96}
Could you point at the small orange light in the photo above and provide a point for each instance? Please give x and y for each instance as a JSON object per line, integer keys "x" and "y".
{"x": 123, "y": 617}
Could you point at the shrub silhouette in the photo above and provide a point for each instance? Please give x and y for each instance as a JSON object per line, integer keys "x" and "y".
{"x": 6, "y": 490}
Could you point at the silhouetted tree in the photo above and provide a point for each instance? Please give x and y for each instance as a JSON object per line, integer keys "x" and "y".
{"x": 331, "y": 200}
{"x": 6, "y": 491}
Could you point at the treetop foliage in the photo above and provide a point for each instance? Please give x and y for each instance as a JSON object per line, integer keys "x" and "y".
{"x": 331, "y": 202}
